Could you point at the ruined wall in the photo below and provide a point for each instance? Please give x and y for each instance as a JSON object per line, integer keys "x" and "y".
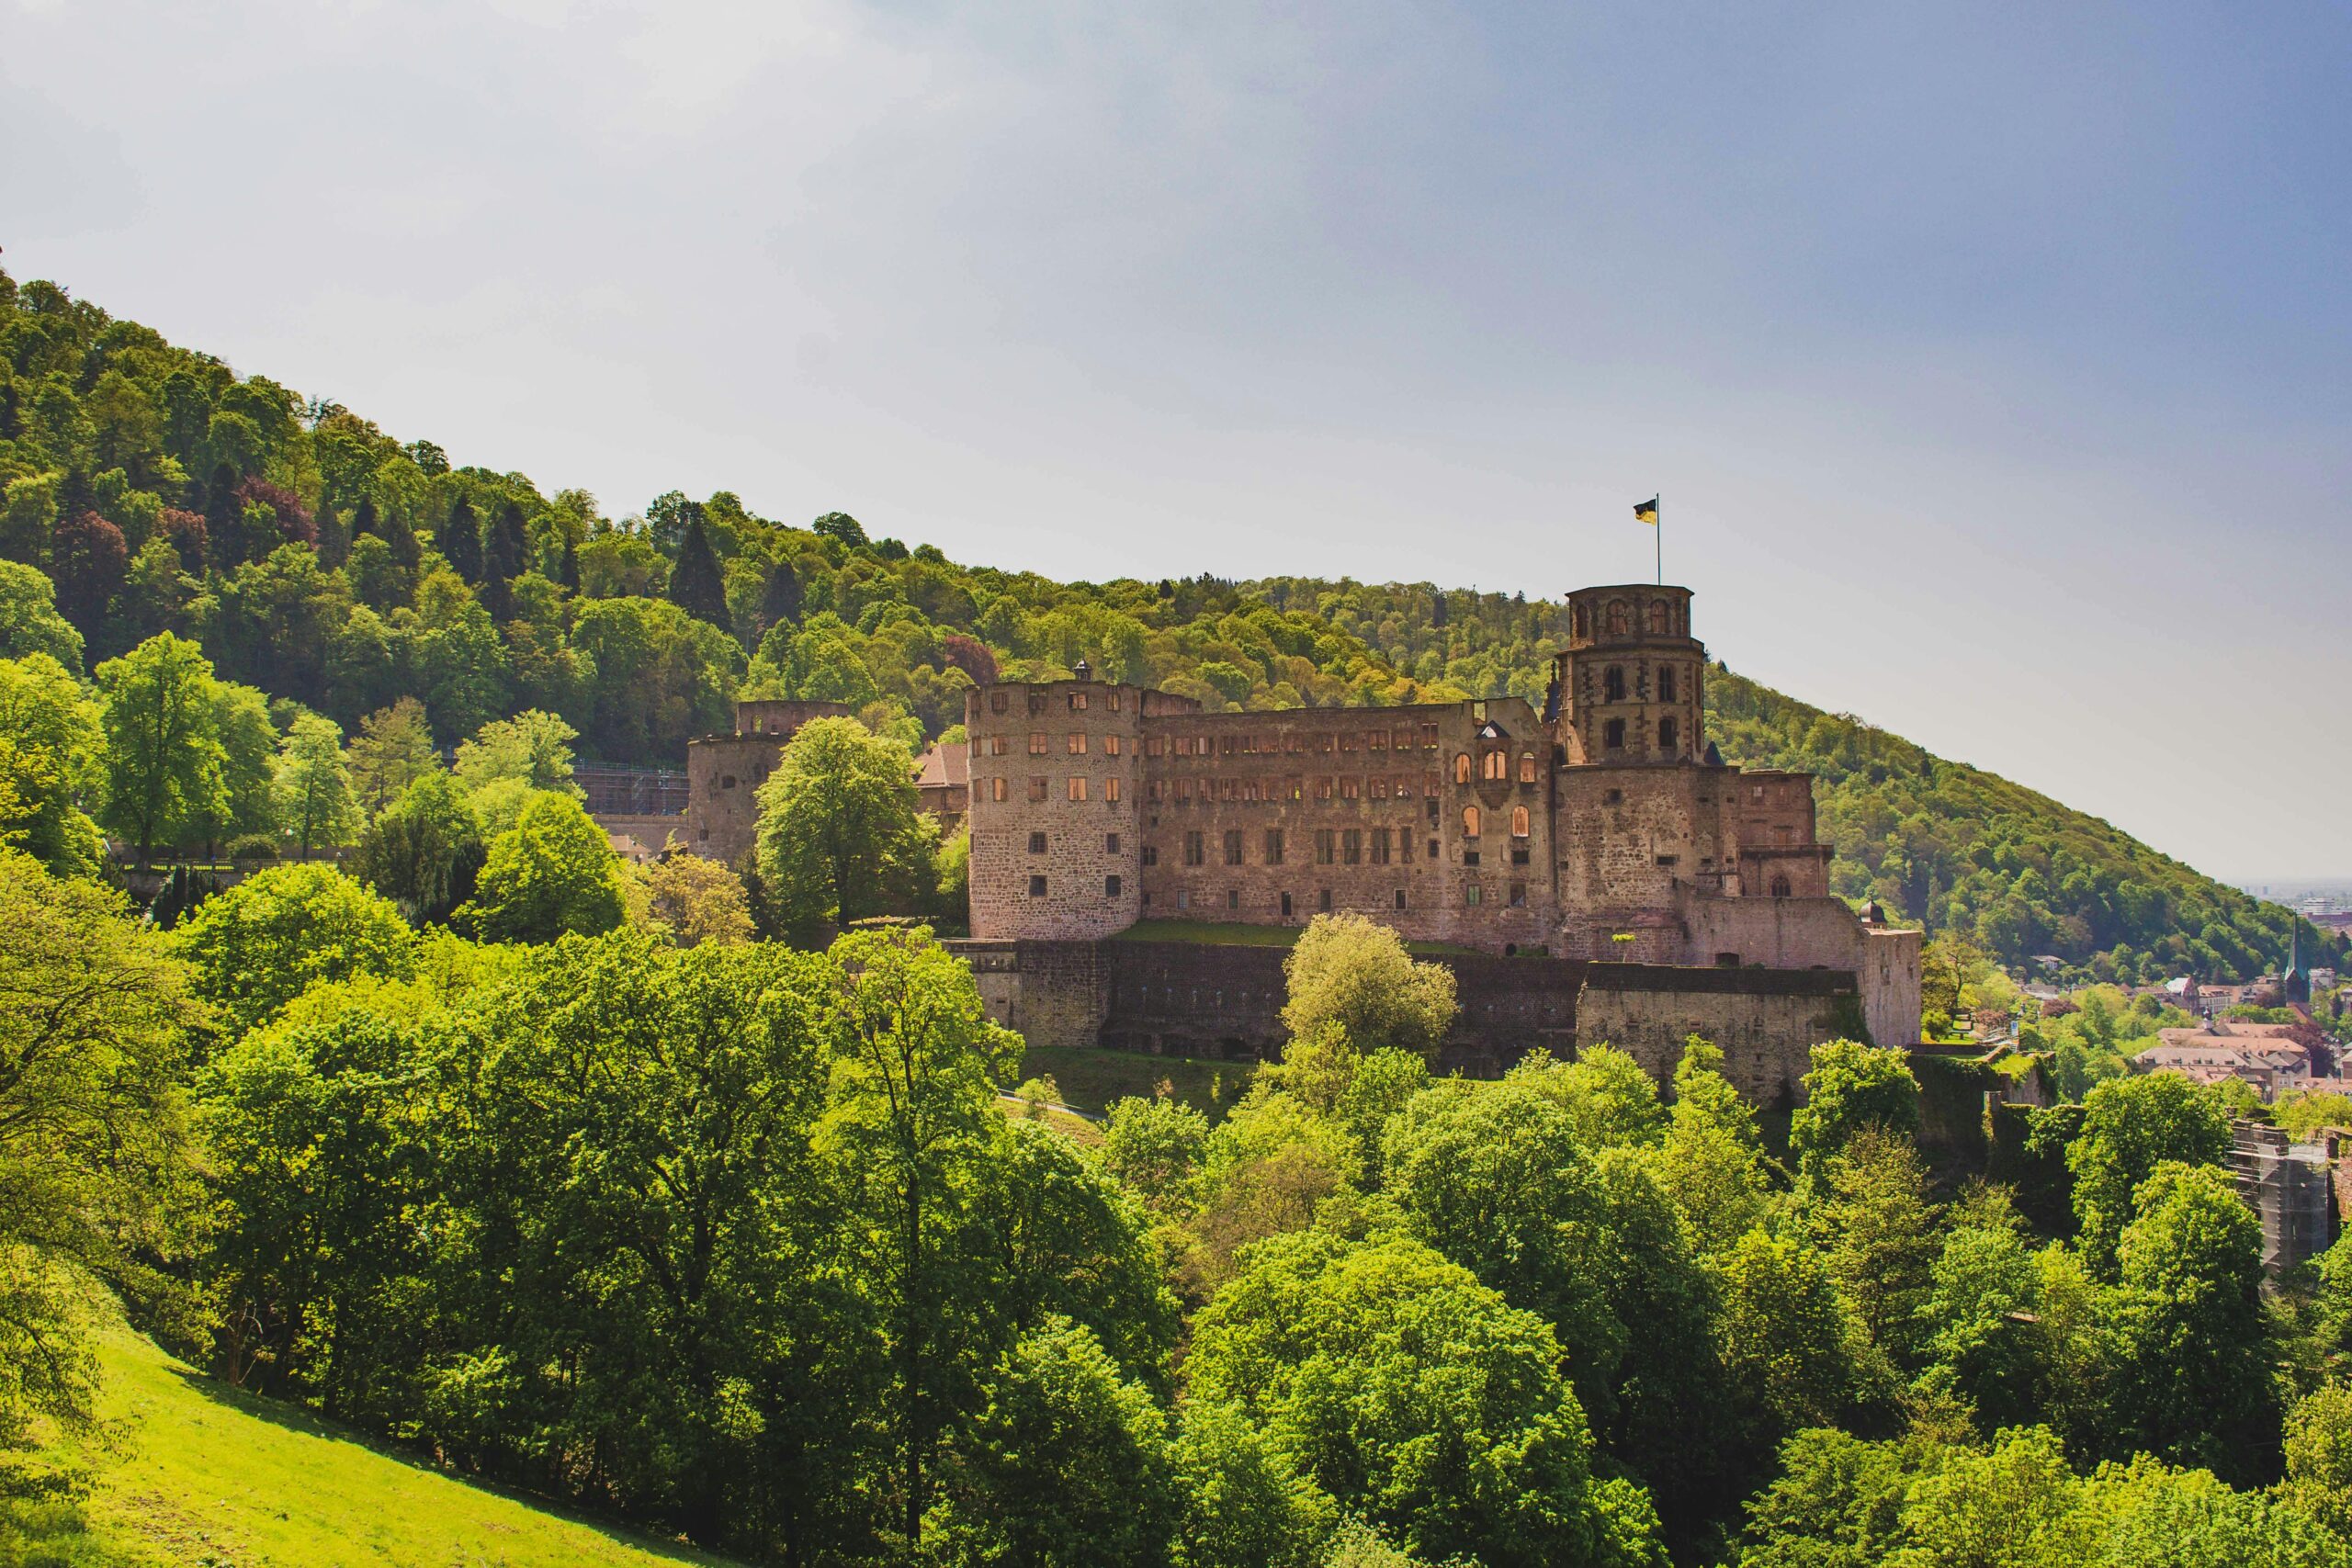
{"x": 1766, "y": 1021}
{"x": 1051, "y": 993}
{"x": 1820, "y": 934}
{"x": 1274, "y": 818}
{"x": 1635, "y": 843}
{"x": 724, "y": 773}
{"x": 1055, "y": 776}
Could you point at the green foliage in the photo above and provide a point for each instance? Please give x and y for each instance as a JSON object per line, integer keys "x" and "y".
{"x": 314, "y": 797}
{"x": 838, "y": 839}
{"x": 264, "y": 941}
{"x": 533, "y": 749}
{"x": 1713, "y": 1159}
{"x": 28, "y": 619}
{"x": 2131, "y": 1126}
{"x": 552, "y": 873}
{"x": 94, "y": 1156}
{"x": 424, "y": 852}
{"x": 1786, "y": 1339}
{"x": 2319, "y": 1457}
{"x": 50, "y": 748}
{"x": 1408, "y": 1392}
{"x": 165, "y": 758}
{"x": 1068, "y": 1463}
{"x": 1354, "y": 973}
{"x": 1852, "y": 1086}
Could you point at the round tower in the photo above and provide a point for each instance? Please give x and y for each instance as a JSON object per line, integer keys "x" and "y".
{"x": 1057, "y": 773}
{"x": 1630, "y": 677}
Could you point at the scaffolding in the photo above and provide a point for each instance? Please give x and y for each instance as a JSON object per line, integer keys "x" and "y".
{"x": 617, "y": 789}
{"x": 2290, "y": 1187}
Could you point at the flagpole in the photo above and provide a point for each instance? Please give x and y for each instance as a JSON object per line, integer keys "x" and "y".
{"x": 1659, "y": 529}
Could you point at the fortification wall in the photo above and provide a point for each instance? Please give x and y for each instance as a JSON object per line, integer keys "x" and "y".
{"x": 724, "y": 773}
{"x": 1766, "y": 1021}
{"x": 1051, "y": 993}
{"x": 1434, "y": 821}
{"x": 1819, "y": 934}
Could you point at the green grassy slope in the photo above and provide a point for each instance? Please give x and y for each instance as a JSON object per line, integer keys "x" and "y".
{"x": 196, "y": 1471}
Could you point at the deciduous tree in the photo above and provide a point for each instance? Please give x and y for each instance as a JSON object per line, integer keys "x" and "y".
{"x": 838, "y": 839}
{"x": 164, "y": 761}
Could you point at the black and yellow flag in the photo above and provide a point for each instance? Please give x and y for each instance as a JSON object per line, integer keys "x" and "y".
{"x": 1646, "y": 511}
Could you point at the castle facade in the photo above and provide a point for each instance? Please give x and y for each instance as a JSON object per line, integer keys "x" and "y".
{"x": 1602, "y": 830}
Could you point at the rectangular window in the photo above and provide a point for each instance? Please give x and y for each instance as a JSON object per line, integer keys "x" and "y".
{"x": 1110, "y": 746}
{"x": 1380, "y": 846}
{"x": 1036, "y": 743}
{"x": 1036, "y": 887}
{"x": 1152, "y": 854}
{"x": 1233, "y": 897}
{"x": 996, "y": 702}
{"x": 1078, "y": 744}
{"x": 1351, "y": 788}
{"x": 1076, "y": 701}
{"x": 1037, "y": 844}
{"x": 1326, "y": 843}
{"x": 1155, "y": 746}
{"x": 1323, "y": 900}
{"x": 997, "y": 790}
{"x": 1184, "y": 897}
{"x": 1400, "y": 897}
{"x": 1293, "y": 743}
{"x": 1296, "y": 788}
{"x": 1274, "y": 846}
{"x": 999, "y": 745}
{"x": 1349, "y": 742}
{"x": 1151, "y": 790}
{"x": 1473, "y": 894}
{"x": 1233, "y": 846}
{"x": 1110, "y": 843}
{"x": 1110, "y": 887}
{"x": 1037, "y": 789}
{"x": 1193, "y": 851}
{"x": 1378, "y": 739}
{"x": 1324, "y": 742}
{"x": 1036, "y": 704}
{"x": 1115, "y": 699}
{"x": 1405, "y": 844}
{"x": 1227, "y": 748}
{"x": 1352, "y": 847}
{"x": 1323, "y": 788}
{"x": 1429, "y": 737}
{"x": 1077, "y": 786}
{"x": 1110, "y": 790}
{"x": 1519, "y": 895}
{"x": 1380, "y": 789}
{"x": 1183, "y": 792}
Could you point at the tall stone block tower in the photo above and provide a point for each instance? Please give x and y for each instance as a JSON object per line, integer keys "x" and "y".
{"x": 1630, "y": 679}
{"x": 1057, "y": 779}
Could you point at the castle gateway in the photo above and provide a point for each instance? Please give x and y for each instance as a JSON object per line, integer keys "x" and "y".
{"x": 1671, "y": 894}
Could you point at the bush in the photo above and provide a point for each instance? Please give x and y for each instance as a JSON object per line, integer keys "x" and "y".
{"x": 253, "y": 849}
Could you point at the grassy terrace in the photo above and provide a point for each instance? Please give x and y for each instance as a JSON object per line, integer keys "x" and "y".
{"x": 198, "y": 1472}
{"x": 1091, "y": 1078}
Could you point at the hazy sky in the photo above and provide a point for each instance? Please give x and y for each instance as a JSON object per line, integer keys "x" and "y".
{"x": 1992, "y": 360}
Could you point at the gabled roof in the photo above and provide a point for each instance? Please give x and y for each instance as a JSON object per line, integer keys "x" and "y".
{"x": 944, "y": 767}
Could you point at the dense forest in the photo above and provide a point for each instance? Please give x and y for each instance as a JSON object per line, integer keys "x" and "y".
{"x": 685, "y": 1195}
{"x": 335, "y": 570}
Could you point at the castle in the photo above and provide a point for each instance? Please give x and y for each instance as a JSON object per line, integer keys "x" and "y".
{"x": 1641, "y": 889}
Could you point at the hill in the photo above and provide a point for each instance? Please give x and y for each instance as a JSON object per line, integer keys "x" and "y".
{"x": 327, "y": 563}
{"x": 194, "y": 1471}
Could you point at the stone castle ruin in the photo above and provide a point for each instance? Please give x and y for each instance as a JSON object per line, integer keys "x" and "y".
{"x": 1604, "y": 875}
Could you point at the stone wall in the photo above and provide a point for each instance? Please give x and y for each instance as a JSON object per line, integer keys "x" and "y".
{"x": 1766, "y": 1021}
{"x": 724, "y": 773}
{"x": 1817, "y": 933}
{"x": 1208, "y": 1000}
{"x": 1272, "y": 818}
{"x": 1057, "y": 770}
{"x": 1635, "y": 843}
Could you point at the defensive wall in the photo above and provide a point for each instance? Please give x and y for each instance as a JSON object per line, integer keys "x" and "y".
{"x": 1206, "y": 999}
{"x": 724, "y": 773}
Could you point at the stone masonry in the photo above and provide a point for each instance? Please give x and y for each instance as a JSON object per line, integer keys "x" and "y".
{"x": 1602, "y": 830}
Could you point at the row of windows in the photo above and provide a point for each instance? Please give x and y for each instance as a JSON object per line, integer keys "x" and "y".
{"x": 1494, "y": 766}
{"x": 999, "y": 702}
{"x": 1076, "y": 787}
{"x": 1619, "y": 618}
{"x": 1402, "y": 740}
{"x": 1473, "y": 896}
{"x": 1613, "y": 735}
{"x": 1075, "y": 743}
{"x": 1613, "y": 683}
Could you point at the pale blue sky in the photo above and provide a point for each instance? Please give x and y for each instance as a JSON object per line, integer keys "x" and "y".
{"x": 1992, "y": 360}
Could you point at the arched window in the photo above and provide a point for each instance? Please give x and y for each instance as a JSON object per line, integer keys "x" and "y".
{"x": 1667, "y": 739}
{"x": 1659, "y": 617}
{"x": 1579, "y": 626}
{"x": 1469, "y": 821}
{"x": 1616, "y": 618}
{"x": 1494, "y": 765}
{"x": 1612, "y": 684}
{"x": 1613, "y": 735}
{"x": 1462, "y": 768}
{"x": 1780, "y": 887}
{"x": 1527, "y": 767}
{"x": 1519, "y": 821}
{"x": 1665, "y": 682}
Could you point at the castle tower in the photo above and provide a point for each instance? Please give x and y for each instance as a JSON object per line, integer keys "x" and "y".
{"x": 1057, "y": 773}
{"x": 1630, "y": 679}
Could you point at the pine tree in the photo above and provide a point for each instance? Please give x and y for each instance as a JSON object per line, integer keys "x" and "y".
{"x": 224, "y": 521}
{"x": 568, "y": 574}
{"x": 695, "y": 584}
{"x": 509, "y": 545}
{"x": 461, "y": 541}
{"x": 780, "y": 600}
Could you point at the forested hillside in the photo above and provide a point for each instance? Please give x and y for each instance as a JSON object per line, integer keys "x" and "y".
{"x": 336, "y": 570}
